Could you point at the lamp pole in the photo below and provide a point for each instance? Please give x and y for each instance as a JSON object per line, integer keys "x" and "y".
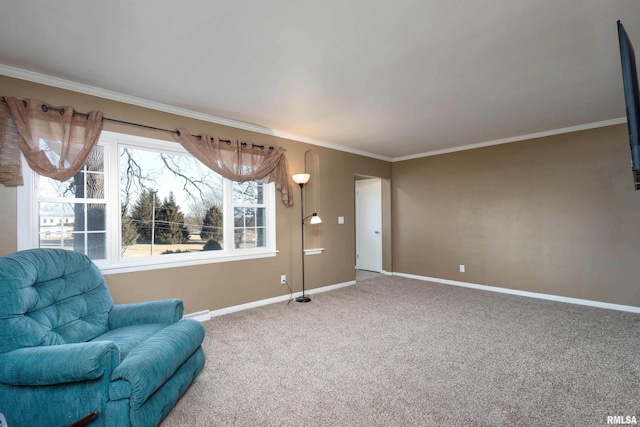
{"x": 302, "y": 298}
{"x": 301, "y": 179}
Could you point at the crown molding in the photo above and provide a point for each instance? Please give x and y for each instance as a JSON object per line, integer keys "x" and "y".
{"x": 553, "y": 132}
{"x": 44, "y": 79}
{"x": 35, "y": 77}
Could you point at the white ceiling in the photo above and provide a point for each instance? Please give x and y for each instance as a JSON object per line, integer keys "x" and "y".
{"x": 392, "y": 78}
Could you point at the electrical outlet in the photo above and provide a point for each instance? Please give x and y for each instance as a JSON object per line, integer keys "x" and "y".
{"x": 461, "y": 268}
{"x": 283, "y": 279}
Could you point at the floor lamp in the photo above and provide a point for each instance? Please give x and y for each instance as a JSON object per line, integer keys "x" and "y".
{"x": 301, "y": 179}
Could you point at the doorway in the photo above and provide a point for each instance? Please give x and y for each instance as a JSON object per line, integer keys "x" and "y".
{"x": 369, "y": 225}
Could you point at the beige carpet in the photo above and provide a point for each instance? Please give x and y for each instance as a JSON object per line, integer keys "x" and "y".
{"x": 391, "y": 351}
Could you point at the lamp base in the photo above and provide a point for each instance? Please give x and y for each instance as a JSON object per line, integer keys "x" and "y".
{"x": 303, "y": 298}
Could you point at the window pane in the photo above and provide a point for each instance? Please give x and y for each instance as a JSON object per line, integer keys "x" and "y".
{"x": 56, "y": 217}
{"x": 78, "y": 215}
{"x": 97, "y": 245}
{"x": 238, "y": 237}
{"x": 245, "y": 238}
{"x": 51, "y": 239}
{"x": 65, "y": 225}
{"x": 238, "y": 217}
{"x": 170, "y": 203}
{"x": 261, "y": 239}
{"x": 260, "y": 194}
{"x": 244, "y": 217}
{"x": 94, "y": 185}
{"x": 50, "y": 216}
{"x": 248, "y": 193}
{"x": 249, "y": 217}
{"x": 260, "y": 217}
{"x": 95, "y": 161}
{"x": 250, "y": 237}
{"x": 92, "y": 244}
{"x": 96, "y": 217}
{"x": 48, "y": 187}
{"x": 68, "y": 242}
{"x": 81, "y": 217}
{"x": 75, "y": 186}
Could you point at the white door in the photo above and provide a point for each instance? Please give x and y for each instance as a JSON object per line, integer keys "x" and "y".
{"x": 369, "y": 225}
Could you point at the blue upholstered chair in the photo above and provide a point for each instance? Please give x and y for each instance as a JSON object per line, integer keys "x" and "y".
{"x": 66, "y": 350}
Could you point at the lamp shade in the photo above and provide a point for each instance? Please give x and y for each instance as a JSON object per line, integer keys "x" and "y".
{"x": 301, "y": 178}
{"x": 315, "y": 220}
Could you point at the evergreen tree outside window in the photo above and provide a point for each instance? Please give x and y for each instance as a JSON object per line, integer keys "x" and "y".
{"x": 212, "y": 228}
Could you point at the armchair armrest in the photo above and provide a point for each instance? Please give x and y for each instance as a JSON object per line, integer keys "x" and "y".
{"x": 57, "y": 364}
{"x": 165, "y": 311}
{"x": 154, "y": 361}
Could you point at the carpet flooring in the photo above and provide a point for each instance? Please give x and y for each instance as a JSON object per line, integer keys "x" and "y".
{"x": 391, "y": 351}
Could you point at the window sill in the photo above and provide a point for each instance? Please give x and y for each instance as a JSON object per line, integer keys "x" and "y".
{"x": 132, "y": 265}
{"x": 313, "y": 251}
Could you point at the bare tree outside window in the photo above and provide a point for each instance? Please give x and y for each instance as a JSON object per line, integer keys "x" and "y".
{"x": 167, "y": 196}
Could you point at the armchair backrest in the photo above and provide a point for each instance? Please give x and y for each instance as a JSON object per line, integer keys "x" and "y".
{"x": 49, "y": 297}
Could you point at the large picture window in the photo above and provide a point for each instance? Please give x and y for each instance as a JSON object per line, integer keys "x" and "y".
{"x": 140, "y": 203}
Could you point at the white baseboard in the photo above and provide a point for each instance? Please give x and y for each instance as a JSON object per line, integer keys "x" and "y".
{"x": 200, "y": 316}
{"x": 569, "y": 300}
{"x": 206, "y": 314}
{"x": 328, "y": 288}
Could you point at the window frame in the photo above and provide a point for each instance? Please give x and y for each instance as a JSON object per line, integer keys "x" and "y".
{"x": 28, "y": 217}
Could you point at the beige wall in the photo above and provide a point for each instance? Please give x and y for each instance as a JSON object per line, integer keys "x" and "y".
{"x": 555, "y": 215}
{"x": 220, "y": 285}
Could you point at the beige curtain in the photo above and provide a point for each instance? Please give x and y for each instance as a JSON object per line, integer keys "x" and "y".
{"x": 10, "y": 170}
{"x": 241, "y": 162}
{"x": 55, "y": 141}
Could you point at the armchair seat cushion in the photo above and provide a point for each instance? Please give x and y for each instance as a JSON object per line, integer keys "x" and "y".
{"x": 128, "y": 337}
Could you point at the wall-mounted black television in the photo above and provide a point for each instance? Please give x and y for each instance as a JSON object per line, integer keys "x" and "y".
{"x": 631, "y": 98}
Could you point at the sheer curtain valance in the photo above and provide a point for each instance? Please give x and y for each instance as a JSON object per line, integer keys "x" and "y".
{"x": 240, "y": 161}
{"x": 55, "y": 141}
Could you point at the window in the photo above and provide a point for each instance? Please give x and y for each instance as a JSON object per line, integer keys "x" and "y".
{"x": 140, "y": 203}
{"x": 81, "y": 199}
{"x": 249, "y": 213}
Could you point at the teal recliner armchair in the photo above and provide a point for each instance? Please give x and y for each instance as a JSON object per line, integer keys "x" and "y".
{"x": 66, "y": 350}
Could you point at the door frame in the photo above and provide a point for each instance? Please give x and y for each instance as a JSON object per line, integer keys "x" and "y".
{"x": 358, "y": 200}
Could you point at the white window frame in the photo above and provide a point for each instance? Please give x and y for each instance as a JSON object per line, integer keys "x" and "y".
{"x": 28, "y": 219}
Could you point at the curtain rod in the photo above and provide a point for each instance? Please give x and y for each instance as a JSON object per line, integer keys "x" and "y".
{"x": 46, "y": 108}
